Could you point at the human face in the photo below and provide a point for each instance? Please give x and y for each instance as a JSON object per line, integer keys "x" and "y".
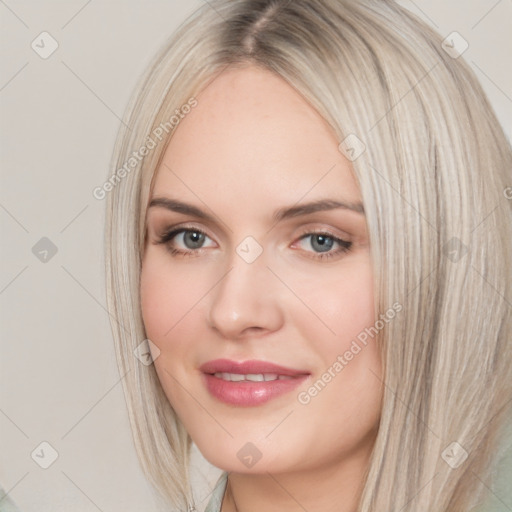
{"x": 253, "y": 147}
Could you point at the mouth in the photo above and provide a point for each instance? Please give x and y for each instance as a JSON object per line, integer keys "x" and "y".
{"x": 251, "y": 377}
{"x": 249, "y": 383}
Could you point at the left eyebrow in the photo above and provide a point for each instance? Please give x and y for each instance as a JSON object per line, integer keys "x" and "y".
{"x": 316, "y": 206}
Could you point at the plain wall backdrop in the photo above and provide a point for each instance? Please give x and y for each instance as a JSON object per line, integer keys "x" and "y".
{"x": 59, "y": 116}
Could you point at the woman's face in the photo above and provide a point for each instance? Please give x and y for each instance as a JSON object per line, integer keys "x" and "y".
{"x": 252, "y": 258}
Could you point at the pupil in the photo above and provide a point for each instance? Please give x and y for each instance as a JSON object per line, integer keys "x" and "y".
{"x": 193, "y": 239}
{"x": 322, "y": 243}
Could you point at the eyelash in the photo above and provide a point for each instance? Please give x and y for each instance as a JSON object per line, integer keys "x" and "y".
{"x": 167, "y": 237}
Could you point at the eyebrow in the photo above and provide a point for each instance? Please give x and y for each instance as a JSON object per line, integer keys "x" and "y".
{"x": 281, "y": 214}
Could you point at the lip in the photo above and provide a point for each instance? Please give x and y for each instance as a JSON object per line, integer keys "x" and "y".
{"x": 249, "y": 394}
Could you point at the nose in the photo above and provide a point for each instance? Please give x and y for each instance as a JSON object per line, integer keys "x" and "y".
{"x": 246, "y": 301}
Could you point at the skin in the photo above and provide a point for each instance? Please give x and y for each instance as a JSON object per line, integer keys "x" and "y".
{"x": 253, "y": 145}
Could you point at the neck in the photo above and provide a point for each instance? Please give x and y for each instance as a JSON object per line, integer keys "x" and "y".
{"x": 336, "y": 487}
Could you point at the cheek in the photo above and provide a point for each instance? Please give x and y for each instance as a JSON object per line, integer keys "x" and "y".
{"x": 166, "y": 296}
{"x": 167, "y": 306}
{"x": 342, "y": 303}
{"x": 350, "y": 393}
{"x": 156, "y": 305}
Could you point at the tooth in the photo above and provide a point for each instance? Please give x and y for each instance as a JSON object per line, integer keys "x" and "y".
{"x": 251, "y": 377}
{"x": 255, "y": 377}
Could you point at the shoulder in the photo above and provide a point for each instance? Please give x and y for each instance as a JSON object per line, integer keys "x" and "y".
{"x": 6, "y": 504}
{"x": 217, "y": 494}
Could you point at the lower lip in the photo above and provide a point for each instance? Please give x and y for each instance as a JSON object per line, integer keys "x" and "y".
{"x": 249, "y": 394}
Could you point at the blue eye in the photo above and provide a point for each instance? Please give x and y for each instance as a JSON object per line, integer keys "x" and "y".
{"x": 193, "y": 239}
{"x": 190, "y": 239}
{"x": 322, "y": 243}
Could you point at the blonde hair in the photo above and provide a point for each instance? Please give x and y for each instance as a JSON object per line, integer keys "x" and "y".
{"x": 432, "y": 179}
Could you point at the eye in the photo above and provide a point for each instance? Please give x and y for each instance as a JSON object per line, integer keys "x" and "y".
{"x": 323, "y": 244}
{"x": 190, "y": 241}
{"x": 184, "y": 241}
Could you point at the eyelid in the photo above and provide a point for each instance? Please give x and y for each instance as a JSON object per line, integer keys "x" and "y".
{"x": 176, "y": 228}
{"x": 345, "y": 242}
{"x": 164, "y": 221}
{"x": 304, "y": 230}
{"x": 330, "y": 231}
{"x": 171, "y": 234}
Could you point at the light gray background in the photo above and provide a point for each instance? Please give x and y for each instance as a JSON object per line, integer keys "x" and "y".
{"x": 59, "y": 116}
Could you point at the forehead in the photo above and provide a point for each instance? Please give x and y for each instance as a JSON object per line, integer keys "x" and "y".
{"x": 254, "y": 135}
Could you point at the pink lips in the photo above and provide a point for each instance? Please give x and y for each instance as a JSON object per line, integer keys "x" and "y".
{"x": 247, "y": 393}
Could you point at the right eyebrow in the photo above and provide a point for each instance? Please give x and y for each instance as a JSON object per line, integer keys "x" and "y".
{"x": 179, "y": 207}
{"x": 317, "y": 206}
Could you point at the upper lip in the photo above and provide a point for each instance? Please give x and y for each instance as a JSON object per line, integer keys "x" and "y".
{"x": 248, "y": 367}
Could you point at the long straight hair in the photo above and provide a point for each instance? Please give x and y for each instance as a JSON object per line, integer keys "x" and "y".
{"x": 432, "y": 165}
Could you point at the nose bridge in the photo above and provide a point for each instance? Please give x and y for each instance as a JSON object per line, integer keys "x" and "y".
{"x": 245, "y": 297}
